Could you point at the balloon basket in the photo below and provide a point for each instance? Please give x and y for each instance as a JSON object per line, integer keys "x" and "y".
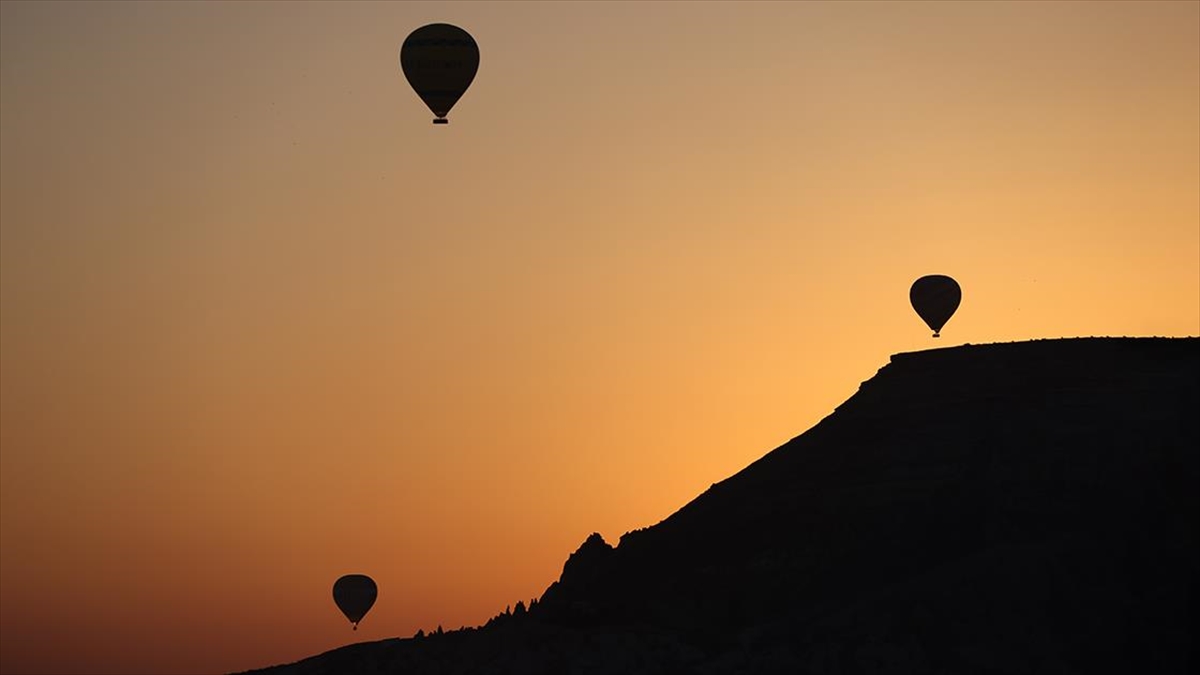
{"x": 441, "y": 120}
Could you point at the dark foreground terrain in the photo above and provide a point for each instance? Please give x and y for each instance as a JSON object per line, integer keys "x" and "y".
{"x": 1025, "y": 507}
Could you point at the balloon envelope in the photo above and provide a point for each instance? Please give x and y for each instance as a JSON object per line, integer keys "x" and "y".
{"x": 440, "y": 62}
{"x": 354, "y": 595}
{"x": 935, "y": 297}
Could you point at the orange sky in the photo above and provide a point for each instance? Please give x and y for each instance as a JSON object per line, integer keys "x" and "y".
{"x": 263, "y": 324}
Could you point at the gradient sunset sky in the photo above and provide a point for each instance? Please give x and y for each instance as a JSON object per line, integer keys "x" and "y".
{"x": 263, "y": 324}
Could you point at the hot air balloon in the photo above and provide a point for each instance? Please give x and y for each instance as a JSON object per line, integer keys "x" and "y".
{"x": 935, "y": 297}
{"x": 440, "y": 62}
{"x": 354, "y": 595}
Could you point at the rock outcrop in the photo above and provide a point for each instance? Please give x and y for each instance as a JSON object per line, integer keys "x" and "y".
{"x": 1025, "y": 507}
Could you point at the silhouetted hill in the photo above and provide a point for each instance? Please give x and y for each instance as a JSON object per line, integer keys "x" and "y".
{"x": 1024, "y": 507}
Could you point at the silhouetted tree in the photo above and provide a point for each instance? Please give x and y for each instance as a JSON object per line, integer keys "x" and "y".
{"x": 420, "y": 634}
{"x": 520, "y": 609}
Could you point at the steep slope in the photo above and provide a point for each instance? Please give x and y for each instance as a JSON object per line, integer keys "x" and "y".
{"x": 999, "y": 508}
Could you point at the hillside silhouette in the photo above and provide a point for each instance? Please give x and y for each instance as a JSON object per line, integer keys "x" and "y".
{"x": 1021, "y": 507}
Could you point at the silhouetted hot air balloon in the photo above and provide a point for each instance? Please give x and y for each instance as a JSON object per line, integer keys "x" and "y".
{"x": 354, "y": 595}
{"x": 440, "y": 62}
{"x": 935, "y": 297}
